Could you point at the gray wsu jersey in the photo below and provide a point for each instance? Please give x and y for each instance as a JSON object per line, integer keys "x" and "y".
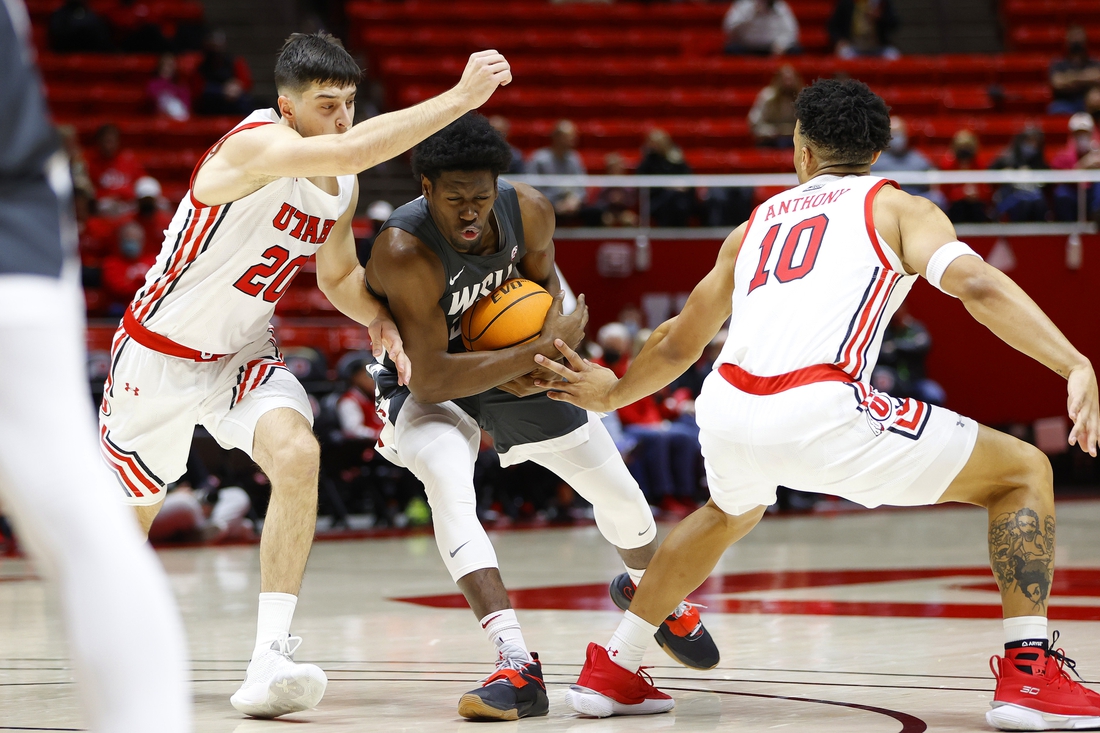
{"x": 34, "y": 178}
{"x": 510, "y": 420}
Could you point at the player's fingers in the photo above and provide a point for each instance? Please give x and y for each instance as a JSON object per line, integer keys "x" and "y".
{"x": 562, "y": 371}
{"x": 404, "y": 368}
{"x": 574, "y": 359}
{"x": 561, "y": 396}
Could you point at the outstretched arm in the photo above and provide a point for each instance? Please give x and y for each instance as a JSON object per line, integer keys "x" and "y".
{"x": 672, "y": 348}
{"x": 412, "y": 280}
{"x": 340, "y": 278}
{"x": 1004, "y": 308}
{"x": 252, "y": 158}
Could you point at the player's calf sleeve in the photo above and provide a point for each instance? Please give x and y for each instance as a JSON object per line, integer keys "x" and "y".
{"x": 597, "y": 472}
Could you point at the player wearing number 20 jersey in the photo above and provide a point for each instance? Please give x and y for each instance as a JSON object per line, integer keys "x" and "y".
{"x": 202, "y": 317}
{"x": 223, "y": 268}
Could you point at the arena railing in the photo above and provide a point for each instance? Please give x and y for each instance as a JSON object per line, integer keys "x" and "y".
{"x": 1071, "y": 229}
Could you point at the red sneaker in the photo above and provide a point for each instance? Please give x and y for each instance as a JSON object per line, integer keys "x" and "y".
{"x": 1034, "y": 692}
{"x": 604, "y": 688}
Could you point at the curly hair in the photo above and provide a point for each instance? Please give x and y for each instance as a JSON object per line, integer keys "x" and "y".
{"x": 314, "y": 57}
{"x": 844, "y": 119}
{"x": 468, "y": 144}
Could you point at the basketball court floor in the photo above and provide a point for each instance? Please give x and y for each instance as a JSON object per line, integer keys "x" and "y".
{"x": 857, "y": 622}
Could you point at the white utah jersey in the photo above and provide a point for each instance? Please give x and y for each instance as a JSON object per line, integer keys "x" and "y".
{"x": 221, "y": 269}
{"x": 814, "y": 283}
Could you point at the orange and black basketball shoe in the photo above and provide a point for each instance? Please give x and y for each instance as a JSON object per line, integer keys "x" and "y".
{"x": 682, "y": 635}
{"x": 1035, "y": 692}
{"x": 516, "y": 690}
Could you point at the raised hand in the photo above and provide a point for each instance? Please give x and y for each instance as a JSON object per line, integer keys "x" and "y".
{"x": 485, "y": 72}
{"x": 584, "y": 384}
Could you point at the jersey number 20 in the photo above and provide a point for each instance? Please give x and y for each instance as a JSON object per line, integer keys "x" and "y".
{"x": 785, "y": 268}
{"x": 273, "y": 277}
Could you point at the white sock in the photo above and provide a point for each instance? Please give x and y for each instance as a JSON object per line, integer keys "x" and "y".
{"x": 1021, "y": 628}
{"x": 273, "y": 619}
{"x": 502, "y": 628}
{"x": 629, "y": 642}
{"x": 635, "y": 574}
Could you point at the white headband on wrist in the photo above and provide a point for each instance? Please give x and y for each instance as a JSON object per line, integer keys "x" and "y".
{"x": 943, "y": 257}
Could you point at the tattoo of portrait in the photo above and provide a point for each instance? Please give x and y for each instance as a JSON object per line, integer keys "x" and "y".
{"x": 1021, "y": 551}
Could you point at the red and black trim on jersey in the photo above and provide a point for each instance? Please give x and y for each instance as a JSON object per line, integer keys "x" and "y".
{"x": 136, "y": 479}
{"x": 869, "y": 218}
{"x": 852, "y": 356}
{"x": 257, "y": 372}
{"x": 118, "y": 343}
{"x": 194, "y": 238}
{"x": 906, "y": 417}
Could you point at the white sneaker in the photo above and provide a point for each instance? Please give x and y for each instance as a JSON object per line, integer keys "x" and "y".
{"x": 275, "y": 685}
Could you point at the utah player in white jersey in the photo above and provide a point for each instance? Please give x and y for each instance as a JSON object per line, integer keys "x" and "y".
{"x": 195, "y": 346}
{"x": 810, "y": 280}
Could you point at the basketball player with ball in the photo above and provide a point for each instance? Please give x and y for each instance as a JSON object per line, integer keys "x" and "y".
{"x": 810, "y": 281}
{"x": 195, "y": 345}
{"x": 478, "y": 246}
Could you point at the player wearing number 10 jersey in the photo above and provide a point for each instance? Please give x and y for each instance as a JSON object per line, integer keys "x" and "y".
{"x": 810, "y": 281}
{"x": 195, "y": 347}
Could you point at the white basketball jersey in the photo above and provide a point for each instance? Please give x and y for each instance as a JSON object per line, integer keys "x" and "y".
{"x": 221, "y": 269}
{"x": 814, "y": 282}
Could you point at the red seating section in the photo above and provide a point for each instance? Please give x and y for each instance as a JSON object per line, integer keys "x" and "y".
{"x": 620, "y": 69}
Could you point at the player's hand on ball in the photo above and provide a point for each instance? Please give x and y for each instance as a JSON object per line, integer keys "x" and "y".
{"x": 485, "y": 72}
{"x": 385, "y": 337}
{"x": 567, "y": 328}
{"x": 585, "y": 384}
{"x": 1083, "y": 409}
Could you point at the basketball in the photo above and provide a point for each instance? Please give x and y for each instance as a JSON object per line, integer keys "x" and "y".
{"x": 510, "y": 315}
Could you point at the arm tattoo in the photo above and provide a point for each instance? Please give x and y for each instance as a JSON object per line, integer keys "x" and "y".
{"x": 1021, "y": 551}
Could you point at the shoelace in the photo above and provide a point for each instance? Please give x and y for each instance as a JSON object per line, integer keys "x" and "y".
{"x": 288, "y": 646}
{"x": 1063, "y": 661}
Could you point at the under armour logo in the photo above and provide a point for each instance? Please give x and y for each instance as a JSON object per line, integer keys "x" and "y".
{"x": 613, "y": 652}
{"x": 134, "y": 389}
{"x": 284, "y": 686}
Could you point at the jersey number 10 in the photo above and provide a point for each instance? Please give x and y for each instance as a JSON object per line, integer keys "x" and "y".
{"x": 271, "y": 278}
{"x": 785, "y": 269}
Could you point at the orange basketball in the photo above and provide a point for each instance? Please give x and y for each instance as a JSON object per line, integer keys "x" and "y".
{"x": 510, "y": 315}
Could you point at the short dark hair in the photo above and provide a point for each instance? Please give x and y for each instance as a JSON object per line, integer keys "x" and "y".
{"x": 469, "y": 143}
{"x": 844, "y": 118}
{"x": 314, "y": 57}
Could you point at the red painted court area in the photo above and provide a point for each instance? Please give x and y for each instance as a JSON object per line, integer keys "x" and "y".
{"x": 719, "y": 594}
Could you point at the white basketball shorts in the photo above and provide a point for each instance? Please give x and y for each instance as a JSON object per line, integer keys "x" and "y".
{"x": 843, "y": 439}
{"x": 152, "y": 403}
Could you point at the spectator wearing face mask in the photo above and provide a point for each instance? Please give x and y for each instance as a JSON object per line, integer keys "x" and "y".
{"x": 1022, "y": 201}
{"x": 124, "y": 270}
{"x": 150, "y": 214}
{"x": 901, "y": 157}
{"x": 761, "y": 28}
{"x": 1082, "y": 152}
{"x": 966, "y": 202}
{"x": 1073, "y": 75}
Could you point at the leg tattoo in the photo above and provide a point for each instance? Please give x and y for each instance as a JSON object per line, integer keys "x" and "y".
{"x": 1022, "y": 554}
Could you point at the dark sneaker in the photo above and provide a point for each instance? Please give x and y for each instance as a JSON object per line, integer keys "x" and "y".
{"x": 682, "y": 635}
{"x": 1034, "y": 692}
{"x": 514, "y": 691}
{"x": 604, "y": 688}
